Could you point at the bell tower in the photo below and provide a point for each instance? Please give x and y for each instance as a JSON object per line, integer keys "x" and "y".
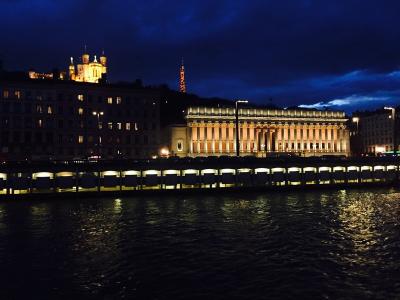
{"x": 71, "y": 70}
{"x": 85, "y": 57}
{"x": 182, "y": 83}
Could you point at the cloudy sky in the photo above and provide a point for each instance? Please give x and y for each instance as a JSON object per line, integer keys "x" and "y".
{"x": 342, "y": 54}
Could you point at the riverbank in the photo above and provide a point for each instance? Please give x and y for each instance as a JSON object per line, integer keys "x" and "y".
{"x": 28, "y": 179}
{"x": 230, "y": 191}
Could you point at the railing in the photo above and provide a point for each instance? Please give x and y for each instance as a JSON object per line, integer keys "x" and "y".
{"x": 179, "y": 174}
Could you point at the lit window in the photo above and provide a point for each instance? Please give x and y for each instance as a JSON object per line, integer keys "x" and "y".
{"x": 17, "y": 94}
{"x": 80, "y": 111}
{"x": 49, "y": 110}
{"x": 119, "y": 100}
{"x": 100, "y": 125}
{"x": 109, "y": 100}
{"x": 39, "y": 109}
{"x": 179, "y": 146}
{"x": 136, "y": 127}
{"x": 128, "y": 126}
{"x": 80, "y": 97}
{"x": 40, "y": 123}
{"x": 119, "y": 125}
{"x": 80, "y": 139}
{"x": 6, "y": 94}
{"x": 109, "y": 125}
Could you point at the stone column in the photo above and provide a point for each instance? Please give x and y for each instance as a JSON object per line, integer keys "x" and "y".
{"x": 191, "y": 141}
{"x": 262, "y": 146}
{"x": 335, "y": 139}
{"x": 255, "y": 133}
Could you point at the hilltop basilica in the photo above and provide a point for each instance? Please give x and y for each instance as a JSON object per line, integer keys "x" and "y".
{"x": 87, "y": 71}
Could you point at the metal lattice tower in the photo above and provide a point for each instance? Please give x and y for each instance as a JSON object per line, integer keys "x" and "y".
{"x": 182, "y": 83}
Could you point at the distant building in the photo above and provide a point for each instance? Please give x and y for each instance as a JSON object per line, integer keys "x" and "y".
{"x": 88, "y": 71}
{"x": 67, "y": 119}
{"x": 53, "y": 75}
{"x": 374, "y": 131}
{"x": 263, "y": 132}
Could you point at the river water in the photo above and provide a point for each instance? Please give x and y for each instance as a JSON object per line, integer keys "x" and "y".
{"x": 274, "y": 245}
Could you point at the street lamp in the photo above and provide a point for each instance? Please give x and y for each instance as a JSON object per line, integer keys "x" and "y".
{"x": 393, "y": 117}
{"x": 355, "y": 139}
{"x": 237, "y": 125}
{"x": 98, "y": 114}
{"x": 356, "y": 120}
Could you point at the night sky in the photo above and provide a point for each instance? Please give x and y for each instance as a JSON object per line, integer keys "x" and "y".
{"x": 341, "y": 54}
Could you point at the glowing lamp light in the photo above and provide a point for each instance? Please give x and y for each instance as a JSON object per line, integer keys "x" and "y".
{"x": 164, "y": 152}
{"x": 380, "y": 149}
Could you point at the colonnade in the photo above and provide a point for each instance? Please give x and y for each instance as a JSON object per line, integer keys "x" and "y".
{"x": 218, "y": 138}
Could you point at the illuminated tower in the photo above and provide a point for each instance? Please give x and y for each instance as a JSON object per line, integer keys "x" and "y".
{"x": 85, "y": 57}
{"x": 71, "y": 70}
{"x": 182, "y": 83}
{"x": 103, "y": 59}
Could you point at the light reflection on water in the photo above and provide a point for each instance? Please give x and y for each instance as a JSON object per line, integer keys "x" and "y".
{"x": 330, "y": 244}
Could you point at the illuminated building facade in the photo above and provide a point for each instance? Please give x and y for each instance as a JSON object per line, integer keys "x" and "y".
{"x": 211, "y": 131}
{"x": 376, "y": 131}
{"x": 61, "y": 119}
{"x": 88, "y": 71}
{"x": 54, "y": 75}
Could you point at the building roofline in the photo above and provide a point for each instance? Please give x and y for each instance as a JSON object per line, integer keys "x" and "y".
{"x": 66, "y": 83}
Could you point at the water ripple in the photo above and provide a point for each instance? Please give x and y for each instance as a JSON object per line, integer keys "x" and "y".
{"x": 323, "y": 244}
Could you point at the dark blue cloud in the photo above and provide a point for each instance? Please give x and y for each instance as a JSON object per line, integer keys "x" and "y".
{"x": 295, "y": 52}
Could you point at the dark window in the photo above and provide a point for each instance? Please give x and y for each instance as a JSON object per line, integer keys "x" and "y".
{"x": 49, "y": 137}
{"x": 4, "y": 136}
{"x": 38, "y": 137}
{"x": 28, "y": 122}
{"x": 28, "y": 108}
{"x": 17, "y": 137}
{"x": 27, "y": 137}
